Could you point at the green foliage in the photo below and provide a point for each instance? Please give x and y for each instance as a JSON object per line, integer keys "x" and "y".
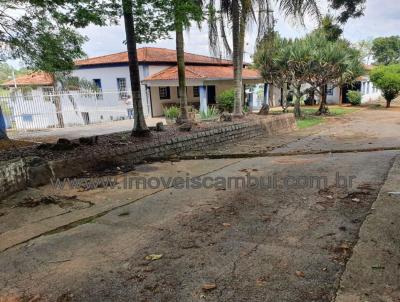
{"x": 225, "y": 100}
{"x": 387, "y": 79}
{"x": 348, "y": 9}
{"x": 172, "y": 112}
{"x": 42, "y": 33}
{"x": 331, "y": 30}
{"x": 211, "y": 113}
{"x": 354, "y": 97}
{"x": 386, "y": 50}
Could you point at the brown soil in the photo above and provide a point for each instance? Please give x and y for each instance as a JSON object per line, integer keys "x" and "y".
{"x": 15, "y": 149}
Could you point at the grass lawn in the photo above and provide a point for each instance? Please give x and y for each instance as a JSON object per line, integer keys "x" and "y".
{"x": 309, "y": 118}
{"x": 309, "y": 121}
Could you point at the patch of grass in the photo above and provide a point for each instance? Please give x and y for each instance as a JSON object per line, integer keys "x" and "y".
{"x": 309, "y": 121}
{"x": 341, "y": 111}
{"x": 309, "y": 117}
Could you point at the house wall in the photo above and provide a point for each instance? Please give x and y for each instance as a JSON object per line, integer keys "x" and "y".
{"x": 109, "y": 74}
{"x": 334, "y": 98}
{"x": 158, "y": 104}
{"x": 369, "y": 92}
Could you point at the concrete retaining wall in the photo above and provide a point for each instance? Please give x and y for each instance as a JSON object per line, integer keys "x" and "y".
{"x": 18, "y": 174}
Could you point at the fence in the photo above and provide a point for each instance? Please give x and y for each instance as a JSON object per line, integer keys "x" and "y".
{"x": 36, "y": 109}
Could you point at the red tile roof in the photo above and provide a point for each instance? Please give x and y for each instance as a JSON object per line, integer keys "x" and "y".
{"x": 203, "y": 72}
{"x": 152, "y": 55}
{"x": 33, "y": 79}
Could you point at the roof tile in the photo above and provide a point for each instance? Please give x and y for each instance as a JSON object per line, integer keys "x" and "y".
{"x": 151, "y": 55}
{"x": 202, "y": 72}
{"x": 32, "y": 79}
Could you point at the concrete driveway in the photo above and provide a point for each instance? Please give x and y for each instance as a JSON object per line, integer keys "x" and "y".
{"x": 285, "y": 240}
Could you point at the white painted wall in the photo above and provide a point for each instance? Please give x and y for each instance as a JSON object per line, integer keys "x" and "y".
{"x": 369, "y": 92}
{"x": 109, "y": 74}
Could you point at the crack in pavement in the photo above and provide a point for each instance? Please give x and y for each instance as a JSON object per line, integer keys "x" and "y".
{"x": 90, "y": 218}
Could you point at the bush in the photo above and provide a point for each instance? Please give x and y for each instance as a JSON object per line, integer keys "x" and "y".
{"x": 225, "y": 100}
{"x": 172, "y": 112}
{"x": 354, "y": 97}
{"x": 211, "y": 113}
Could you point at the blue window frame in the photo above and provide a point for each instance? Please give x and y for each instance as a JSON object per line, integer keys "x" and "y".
{"x": 97, "y": 82}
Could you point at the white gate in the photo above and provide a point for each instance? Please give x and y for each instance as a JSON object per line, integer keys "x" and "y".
{"x": 42, "y": 108}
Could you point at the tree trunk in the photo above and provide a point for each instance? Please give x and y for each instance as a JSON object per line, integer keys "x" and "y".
{"x": 139, "y": 123}
{"x": 237, "y": 57}
{"x": 57, "y": 103}
{"x": 180, "y": 56}
{"x": 297, "y": 110}
{"x": 388, "y": 103}
{"x": 323, "y": 109}
{"x": 284, "y": 93}
{"x": 271, "y": 95}
{"x": 3, "y": 132}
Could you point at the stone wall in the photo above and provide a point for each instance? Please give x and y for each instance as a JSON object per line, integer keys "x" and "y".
{"x": 35, "y": 172}
{"x": 12, "y": 176}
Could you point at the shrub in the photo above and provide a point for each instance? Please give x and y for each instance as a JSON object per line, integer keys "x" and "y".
{"x": 354, "y": 97}
{"x": 225, "y": 100}
{"x": 211, "y": 113}
{"x": 172, "y": 112}
{"x": 387, "y": 79}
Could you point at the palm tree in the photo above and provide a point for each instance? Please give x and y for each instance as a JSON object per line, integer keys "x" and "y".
{"x": 184, "y": 12}
{"x": 333, "y": 62}
{"x": 237, "y": 15}
{"x": 139, "y": 128}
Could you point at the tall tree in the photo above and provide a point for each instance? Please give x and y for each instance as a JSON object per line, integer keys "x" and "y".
{"x": 184, "y": 12}
{"x": 42, "y": 34}
{"x": 236, "y": 16}
{"x": 331, "y": 62}
{"x": 139, "y": 128}
{"x": 387, "y": 79}
{"x": 386, "y": 50}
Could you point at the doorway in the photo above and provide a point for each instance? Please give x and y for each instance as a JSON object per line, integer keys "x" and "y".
{"x": 211, "y": 95}
{"x": 346, "y": 88}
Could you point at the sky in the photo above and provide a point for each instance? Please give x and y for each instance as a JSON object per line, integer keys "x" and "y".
{"x": 382, "y": 18}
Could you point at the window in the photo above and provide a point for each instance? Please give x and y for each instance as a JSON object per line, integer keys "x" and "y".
{"x": 121, "y": 83}
{"x": 27, "y": 94}
{"x": 196, "y": 91}
{"x": 165, "y": 93}
{"x": 329, "y": 89}
{"x": 97, "y": 83}
{"x": 48, "y": 93}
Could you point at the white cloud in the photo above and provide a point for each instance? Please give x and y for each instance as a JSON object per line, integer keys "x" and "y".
{"x": 382, "y": 18}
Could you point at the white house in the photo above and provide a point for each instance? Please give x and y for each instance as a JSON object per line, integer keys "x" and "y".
{"x": 206, "y": 77}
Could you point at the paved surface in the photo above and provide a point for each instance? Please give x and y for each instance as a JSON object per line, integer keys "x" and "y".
{"x": 372, "y": 274}
{"x": 53, "y": 134}
{"x": 365, "y": 129}
{"x": 257, "y": 243}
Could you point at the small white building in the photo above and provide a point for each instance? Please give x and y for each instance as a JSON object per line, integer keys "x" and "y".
{"x": 206, "y": 77}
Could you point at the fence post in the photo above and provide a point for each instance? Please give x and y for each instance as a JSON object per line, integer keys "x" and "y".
{"x": 3, "y": 133}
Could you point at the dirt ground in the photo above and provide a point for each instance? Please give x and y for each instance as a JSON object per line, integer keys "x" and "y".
{"x": 285, "y": 242}
{"x": 361, "y": 130}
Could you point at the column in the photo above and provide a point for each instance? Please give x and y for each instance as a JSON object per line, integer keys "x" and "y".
{"x": 3, "y": 133}
{"x": 266, "y": 93}
{"x": 203, "y": 98}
